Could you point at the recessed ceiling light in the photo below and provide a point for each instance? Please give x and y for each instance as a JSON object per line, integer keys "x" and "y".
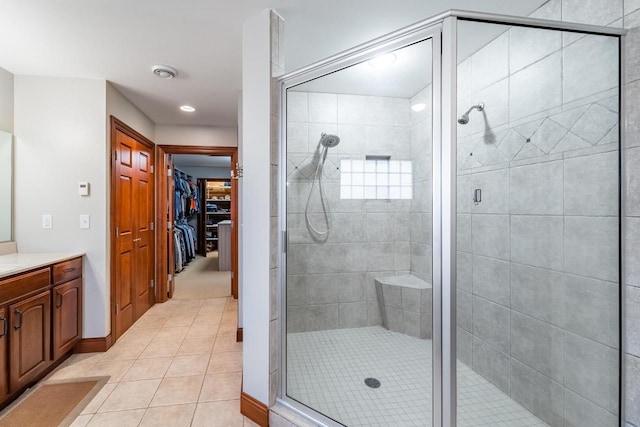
{"x": 164, "y": 71}
{"x": 187, "y": 108}
{"x": 418, "y": 107}
{"x": 383, "y": 61}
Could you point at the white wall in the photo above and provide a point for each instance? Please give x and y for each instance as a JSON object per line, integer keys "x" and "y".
{"x": 124, "y": 110}
{"x": 240, "y": 207}
{"x": 211, "y": 136}
{"x": 60, "y": 140}
{"x": 204, "y": 172}
{"x": 256, "y": 83}
{"x": 6, "y": 101}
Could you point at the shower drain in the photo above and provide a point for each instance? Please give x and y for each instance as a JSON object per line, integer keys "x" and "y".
{"x": 372, "y": 382}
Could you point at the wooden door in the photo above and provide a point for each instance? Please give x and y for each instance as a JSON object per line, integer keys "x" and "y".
{"x": 30, "y": 342}
{"x": 125, "y": 216}
{"x": 4, "y": 365}
{"x": 133, "y": 210}
{"x": 67, "y": 316}
{"x": 144, "y": 240}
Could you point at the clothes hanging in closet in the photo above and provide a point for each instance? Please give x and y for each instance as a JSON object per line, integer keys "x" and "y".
{"x": 187, "y": 196}
{"x": 185, "y": 245}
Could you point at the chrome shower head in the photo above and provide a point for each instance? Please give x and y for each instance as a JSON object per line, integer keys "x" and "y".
{"x": 329, "y": 141}
{"x": 464, "y": 119}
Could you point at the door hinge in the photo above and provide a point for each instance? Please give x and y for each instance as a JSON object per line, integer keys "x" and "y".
{"x": 117, "y": 232}
{"x": 151, "y": 226}
{"x": 152, "y": 284}
{"x": 169, "y": 278}
{"x": 151, "y": 168}
{"x": 168, "y": 225}
{"x": 169, "y": 173}
{"x": 117, "y": 308}
{"x": 232, "y": 275}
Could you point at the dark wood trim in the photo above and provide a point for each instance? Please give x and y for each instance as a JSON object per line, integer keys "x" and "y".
{"x": 118, "y": 125}
{"x": 215, "y": 151}
{"x": 94, "y": 345}
{"x": 199, "y": 149}
{"x": 253, "y": 409}
{"x": 239, "y": 335}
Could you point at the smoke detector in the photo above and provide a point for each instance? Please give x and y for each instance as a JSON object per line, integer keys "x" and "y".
{"x": 164, "y": 71}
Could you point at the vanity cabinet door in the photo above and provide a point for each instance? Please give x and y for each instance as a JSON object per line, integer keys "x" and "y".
{"x": 4, "y": 362}
{"x": 67, "y": 316}
{"x": 30, "y": 338}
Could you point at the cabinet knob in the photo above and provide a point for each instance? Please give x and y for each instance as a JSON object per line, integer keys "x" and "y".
{"x": 5, "y": 326}
{"x": 59, "y": 303}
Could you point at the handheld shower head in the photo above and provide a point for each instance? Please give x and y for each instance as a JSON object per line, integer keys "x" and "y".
{"x": 464, "y": 119}
{"x": 329, "y": 141}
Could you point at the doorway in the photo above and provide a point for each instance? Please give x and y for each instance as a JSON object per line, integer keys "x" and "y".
{"x": 132, "y": 226}
{"x": 197, "y": 200}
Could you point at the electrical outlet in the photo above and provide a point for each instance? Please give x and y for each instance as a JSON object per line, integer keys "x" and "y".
{"x": 47, "y": 221}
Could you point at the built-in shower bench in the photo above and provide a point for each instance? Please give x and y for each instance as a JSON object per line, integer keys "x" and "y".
{"x": 405, "y": 304}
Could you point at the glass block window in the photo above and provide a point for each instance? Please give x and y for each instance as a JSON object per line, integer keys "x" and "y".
{"x": 376, "y": 179}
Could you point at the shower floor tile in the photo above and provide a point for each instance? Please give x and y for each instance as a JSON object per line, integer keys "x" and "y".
{"x": 327, "y": 369}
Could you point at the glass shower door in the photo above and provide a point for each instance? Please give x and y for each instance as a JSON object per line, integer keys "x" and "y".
{"x": 538, "y": 223}
{"x": 359, "y": 294}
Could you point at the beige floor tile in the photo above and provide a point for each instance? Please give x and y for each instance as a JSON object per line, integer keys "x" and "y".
{"x": 120, "y": 419}
{"x": 249, "y": 423}
{"x": 99, "y": 399}
{"x": 200, "y": 345}
{"x": 115, "y": 369}
{"x": 218, "y": 414}
{"x": 226, "y": 343}
{"x": 130, "y": 395}
{"x": 189, "y": 365}
{"x": 138, "y": 336}
{"x": 65, "y": 371}
{"x": 225, "y": 362}
{"x": 161, "y": 349}
{"x": 227, "y": 329}
{"x": 224, "y": 386}
{"x": 169, "y": 416}
{"x": 81, "y": 420}
{"x": 207, "y": 319}
{"x": 178, "y": 390}
{"x": 124, "y": 351}
{"x": 149, "y": 323}
{"x": 202, "y": 330}
{"x": 171, "y": 333}
{"x": 147, "y": 369}
{"x": 82, "y": 358}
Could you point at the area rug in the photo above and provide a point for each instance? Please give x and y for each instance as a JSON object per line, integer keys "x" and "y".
{"x": 53, "y": 403}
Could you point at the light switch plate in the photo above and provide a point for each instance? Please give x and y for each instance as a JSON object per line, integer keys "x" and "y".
{"x": 47, "y": 221}
{"x": 84, "y": 221}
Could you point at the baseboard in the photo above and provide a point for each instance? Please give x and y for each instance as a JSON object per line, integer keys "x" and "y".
{"x": 93, "y": 345}
{"x": 255, "y": 410}
{"x": 239, "y": 335}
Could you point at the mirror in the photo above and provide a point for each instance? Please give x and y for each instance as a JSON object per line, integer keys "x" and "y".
{"x": 6, "y": 186}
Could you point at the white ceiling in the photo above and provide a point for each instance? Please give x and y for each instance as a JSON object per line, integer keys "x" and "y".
{"x": 119, "y": 40}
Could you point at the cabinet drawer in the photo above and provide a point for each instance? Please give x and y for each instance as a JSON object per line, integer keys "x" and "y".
{"x": 65, "y": 271}
{"x": 23, "y": 284}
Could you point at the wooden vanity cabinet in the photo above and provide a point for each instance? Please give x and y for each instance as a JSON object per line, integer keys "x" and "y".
{"x": 40, "y": 322}
{"x": 30, "y": 339}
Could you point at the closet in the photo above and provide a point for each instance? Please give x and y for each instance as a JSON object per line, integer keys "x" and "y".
{"x": 187, "y": 204}
{"x": 218, "y": 208}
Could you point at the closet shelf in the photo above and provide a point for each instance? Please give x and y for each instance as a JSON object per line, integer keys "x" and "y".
{"x": 212, "y": 239}
{"x": 218, "y": 200}
{"x": 218, "y": 213}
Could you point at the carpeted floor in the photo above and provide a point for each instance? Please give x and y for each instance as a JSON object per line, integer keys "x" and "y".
{"x": 201, "y": 279}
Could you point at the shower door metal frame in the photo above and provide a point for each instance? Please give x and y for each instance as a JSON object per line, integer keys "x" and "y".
{"x": 442, "y": 29}
{"x": 425, "y": 30}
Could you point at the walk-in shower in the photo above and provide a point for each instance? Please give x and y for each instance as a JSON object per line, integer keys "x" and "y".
{"x": 470, "y": 273}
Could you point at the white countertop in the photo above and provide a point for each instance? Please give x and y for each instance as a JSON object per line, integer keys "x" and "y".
{"x": 20, "y": 262}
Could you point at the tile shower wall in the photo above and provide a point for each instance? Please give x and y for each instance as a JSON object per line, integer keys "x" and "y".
{"x": 330, "y": 280}
{"x": 538, "y": 256}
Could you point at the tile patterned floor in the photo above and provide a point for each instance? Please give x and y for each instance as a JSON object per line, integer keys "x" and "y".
{"x": 327, "y": 371}
{"x": 179, "y": 365}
